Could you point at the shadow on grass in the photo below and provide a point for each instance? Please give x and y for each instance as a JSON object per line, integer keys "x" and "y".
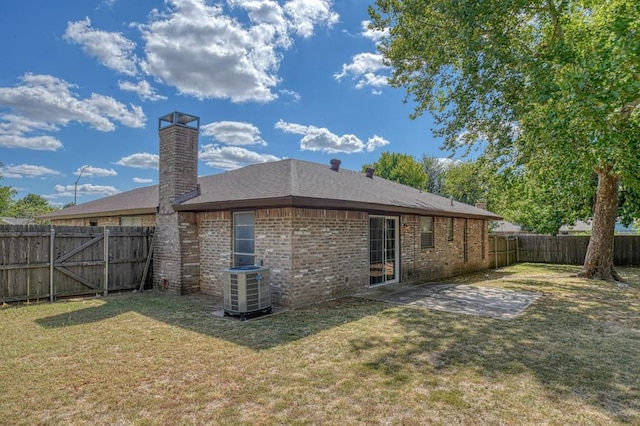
{"x": 585, "y": 347}
{"x": 581, "y": 341}
{"x": 195, "y": 314}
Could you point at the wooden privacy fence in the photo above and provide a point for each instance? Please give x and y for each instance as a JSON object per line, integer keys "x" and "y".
{"x": 503, "y": 250}
{"x": 572, "y": 249}
{"x": 40, "y": 261}
{"x": 563, "y": 249}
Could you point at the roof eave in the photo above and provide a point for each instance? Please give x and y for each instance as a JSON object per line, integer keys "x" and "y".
{"x": 309, "y": 202}
{"x": 125, "y": 212}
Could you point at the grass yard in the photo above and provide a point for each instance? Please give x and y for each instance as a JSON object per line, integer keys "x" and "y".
{"x": 571, "y": 358}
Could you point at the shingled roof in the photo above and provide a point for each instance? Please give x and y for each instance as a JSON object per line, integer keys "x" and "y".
{"x": 286, "y": 183}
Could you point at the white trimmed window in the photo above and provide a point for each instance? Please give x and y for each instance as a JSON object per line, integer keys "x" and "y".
{"x": 130, "y": 221}
{"x": 244, "y": 224}
{"x": 426, "y": 232}
{"x": 449, "y": 229}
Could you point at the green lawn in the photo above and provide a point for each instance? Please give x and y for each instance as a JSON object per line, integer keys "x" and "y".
{"x": 571, "y": 358}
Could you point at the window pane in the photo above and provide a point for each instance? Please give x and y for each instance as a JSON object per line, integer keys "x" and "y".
{"x": 243, "y": 260}
{"x": 244, "y": 219}
{"x": 244, "y": 232}
{"x": 243, "y": 238}
{"x": 426, "y": 240}
{"x": 244, "y": 246}
{"x": 426, "y": 235}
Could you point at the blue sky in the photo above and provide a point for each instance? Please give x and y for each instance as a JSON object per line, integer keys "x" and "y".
{"x": 83, "y": 83}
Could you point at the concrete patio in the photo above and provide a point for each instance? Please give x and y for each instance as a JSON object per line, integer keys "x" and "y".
{"x": 457, "y": 298}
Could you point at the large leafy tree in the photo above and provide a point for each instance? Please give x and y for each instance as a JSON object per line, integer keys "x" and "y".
{"x": 31, "y": 206}
{"x": 463, "y": 181}
{"x": 553, "y": 85}
{"x": 434, "y": 168}
{"x": 6, "y": 198}
{"x": 401, "y": 168}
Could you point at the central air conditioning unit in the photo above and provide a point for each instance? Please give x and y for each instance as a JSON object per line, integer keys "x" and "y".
{"x": 246, "y": 290}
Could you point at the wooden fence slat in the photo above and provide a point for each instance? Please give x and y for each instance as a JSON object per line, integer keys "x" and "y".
{"x": 78, "y": 249}
{"x": 26, "y": 252}
{"x": 564, "y": 249}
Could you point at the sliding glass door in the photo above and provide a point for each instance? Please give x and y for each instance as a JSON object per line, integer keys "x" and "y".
{"x": 383, "y": 250}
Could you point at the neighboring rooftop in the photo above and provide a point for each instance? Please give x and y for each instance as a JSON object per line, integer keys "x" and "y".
{"x": 293, "y": 183}
{"x": 16, "y": 221}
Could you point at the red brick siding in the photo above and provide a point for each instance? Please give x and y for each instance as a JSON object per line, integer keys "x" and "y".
{"x": 446, "y": 258}
{"x": 273, "y": 249}
{"x": 330, "y": 255}
{"x": 215, "y": 233}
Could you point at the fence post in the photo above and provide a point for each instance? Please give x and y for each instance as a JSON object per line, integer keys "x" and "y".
{"x": 52, "y": 259}
{"x": 495, "y": 250}
{"x": 507, "y": 250}
{"x": 106, "y": 260}
{"x": 517, "y": 249}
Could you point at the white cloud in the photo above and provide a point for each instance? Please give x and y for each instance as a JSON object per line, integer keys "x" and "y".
{"x": 233, "y": 133}
{"x": 113, "y": 50}
{"x": 40, "y": 143}
{"x": 142, "y": 160}
{"x": 294, "y": 95}
{"x": 94, "y": 171}
{"x": 84, "y": 189}
{"x": 142, "y": 180}
{"x": 296, "y": 129}
{"x": 376, "y": 142}
{"x": 206, "y": 53}
{"x": 306, "y": 14}
{"x": 231, "y": 157}
{"x": 372, "y": 80}
{"x": 143, "y": 89}
{"x": 14, "y": 130}
{"x": 373, "y": 35}
{"x": 46, "y": 102}
{"x": 323, "y": 140}
{"x": 364, "y": 68}
{"x": 27, "y": 171}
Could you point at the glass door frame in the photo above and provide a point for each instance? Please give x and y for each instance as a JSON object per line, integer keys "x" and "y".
{"x": 396, "y": 239}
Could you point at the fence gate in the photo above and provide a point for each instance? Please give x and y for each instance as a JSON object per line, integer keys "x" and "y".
{"x": 38, "y": 262}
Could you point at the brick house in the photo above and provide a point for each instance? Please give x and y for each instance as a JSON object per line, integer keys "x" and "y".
{"x": 323, "y": 231}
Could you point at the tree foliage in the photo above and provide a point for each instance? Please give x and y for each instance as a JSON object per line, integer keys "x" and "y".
{"x": 462, "y": 181}
{"x": 550, "y": 85}
{"x": 401, "y": 168}
{"x": 434, "y": 168}
{"x": 30, "y": 206}
{"x": 6, "y": 197}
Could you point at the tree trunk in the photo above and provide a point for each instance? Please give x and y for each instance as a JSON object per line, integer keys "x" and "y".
{"x": 598, "y": 262}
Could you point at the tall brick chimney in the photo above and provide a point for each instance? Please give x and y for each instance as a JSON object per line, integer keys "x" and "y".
{"x": 176, "y": 259}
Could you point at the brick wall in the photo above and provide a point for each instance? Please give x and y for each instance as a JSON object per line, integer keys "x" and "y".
{"x": 274, "y": 249}
{"x": 166, "y": 255}
{"x": 215, "y": 235}
{"x": 190, "y": 253}
{"x": 178, "y": 164}
{"x": 446, "y": 258}
{"x": 330, "y": 255}
{"x": 176, "y": 261}
{"x": 313, "y": 255}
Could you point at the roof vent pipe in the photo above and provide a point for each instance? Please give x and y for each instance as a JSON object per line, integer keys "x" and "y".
{"x": 369, "y": 172}
{"x": 451, "y": 199}
{"x": 335, "y": 164}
